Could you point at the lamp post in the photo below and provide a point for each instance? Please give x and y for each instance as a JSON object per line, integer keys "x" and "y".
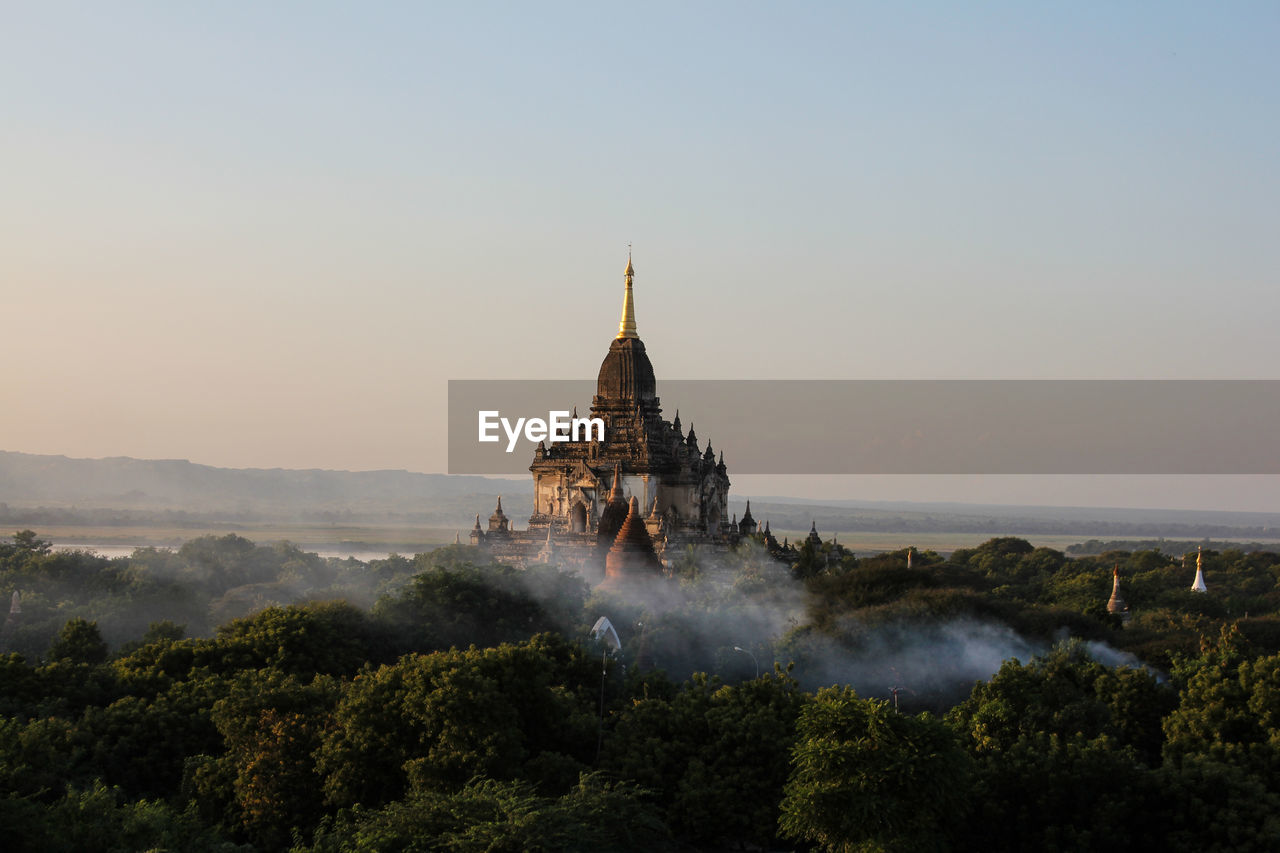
{"x": 753, "y": 658}
{"x": 607, "y": 635}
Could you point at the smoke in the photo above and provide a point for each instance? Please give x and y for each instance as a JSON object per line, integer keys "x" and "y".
{"x": 1109, "y": 655}
{"x": 922, "y": 662}
{"x": 725, "y": 613}
{"x": 721, "y": 613}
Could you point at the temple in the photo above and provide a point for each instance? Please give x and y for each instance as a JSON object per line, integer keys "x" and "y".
{"x": 648, "y": 480}
{"x": 1116, "y": 604}
{"x": 1198, "y": 584}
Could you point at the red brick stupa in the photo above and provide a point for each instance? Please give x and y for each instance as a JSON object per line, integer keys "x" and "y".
{"x": 632, "y": 558}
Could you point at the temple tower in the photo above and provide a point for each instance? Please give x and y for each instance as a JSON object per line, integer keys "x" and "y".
{"x": 1116, "y": 604}
{"x": 813, "y": 538}
{"x": 653, "y": 460}
{"x": 632, "y": 558}
{"x": 1198, "y": 584}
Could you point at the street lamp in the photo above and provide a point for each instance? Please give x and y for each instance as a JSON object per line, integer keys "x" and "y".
{"x": 607, "y": 635}
{"x": 753, "y": 658}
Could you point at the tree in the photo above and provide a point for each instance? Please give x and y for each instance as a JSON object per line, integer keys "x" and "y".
{"x": 27, "y": 540}
{"x": 162, "y": 632}
{"x": 100, "y": 819}
{"x": 505, "y": 816}
{"x": 1211, "y": 806}
{"x": 432, "y": 722}
{"x": 330, "y": 637}
{"x": 716, "y": 756}
{"x": 484, "y": 606}
{"x": 864, "y": 775}
{"x": 1051, "y": 792}
{"x": 79, "y": 642}
{"x": 272, "y": 726}
{"x": 732, "y": 787}
{"x": 809, "y": 563}
{"x": 1229, "y": 710}
{"x": 1064, "y": 693}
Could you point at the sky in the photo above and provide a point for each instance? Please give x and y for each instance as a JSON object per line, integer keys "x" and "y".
{"x": 267, "y": 235}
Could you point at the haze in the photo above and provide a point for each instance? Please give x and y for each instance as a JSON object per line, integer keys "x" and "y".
{"x": 268, "y": 235}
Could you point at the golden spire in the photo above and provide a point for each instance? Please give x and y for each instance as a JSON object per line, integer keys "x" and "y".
{"x": 627, "y": 326}
{"x": 1198, "y": 585}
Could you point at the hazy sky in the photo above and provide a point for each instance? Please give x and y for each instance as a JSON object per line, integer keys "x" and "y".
{"x": 268, "y": 234}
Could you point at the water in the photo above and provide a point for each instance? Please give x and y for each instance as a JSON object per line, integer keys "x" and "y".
{"x": 113, "y": 551}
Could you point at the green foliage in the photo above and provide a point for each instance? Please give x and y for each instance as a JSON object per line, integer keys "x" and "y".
{"x": 432, "y": 722}
{"x": 1216, "y": 807}
{"x": 57, "y": 585}
{"x": 322, "y": 637}
{"x": 1229, "y": 709}
{"x": 20, "y": 688}
{"x": 37, "y": 758}
{"x": 866, "y": 586}
{"x": 716, "y": 755}
{"x": 79, "y": 641}
{"x": 272, "y": 726}
{"x": 140, "y": 745}
{"x": 487, "y": 815}
{"x": 446, "y": 607}
{"x": 162, "y": 631}
{"x": 1064, "y": 694}
{"x": 99, "y": 819}
{"x": 27, "y": 540}
{"x": 811, "y": 561}
{"x": 1050, "y": 792}
{"x": 310, "y": 721}
{"x": 867, "y": 777}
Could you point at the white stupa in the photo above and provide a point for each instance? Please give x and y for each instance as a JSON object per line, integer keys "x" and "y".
{"x": 1198, "y": 585}
{"x": 548, "y": 553}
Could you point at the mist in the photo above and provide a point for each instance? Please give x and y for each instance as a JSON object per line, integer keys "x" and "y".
{"x": 731, "y": 615}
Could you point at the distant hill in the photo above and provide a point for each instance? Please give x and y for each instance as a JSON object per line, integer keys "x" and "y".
{"x": 37, "y": 489}
{"x": 1128, "y": 515}
{"x": 1000, "y": 520}
{"x": 158, "y": 485}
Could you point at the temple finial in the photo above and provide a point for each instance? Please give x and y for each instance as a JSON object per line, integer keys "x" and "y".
{"x": 616, "y": 492}
{"x": 627, "y": 325}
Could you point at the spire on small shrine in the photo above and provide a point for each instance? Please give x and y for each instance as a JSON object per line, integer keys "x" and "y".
{"x": 627, "y": 325}
{"x": 1198, "y": 584}
{"x": 1116, "y": 604}
{"x": 813, "y": 538}
{"x": 616, "y": 492}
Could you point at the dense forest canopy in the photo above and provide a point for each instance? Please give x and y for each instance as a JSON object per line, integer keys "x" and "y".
{"x": 236, "y": 696}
